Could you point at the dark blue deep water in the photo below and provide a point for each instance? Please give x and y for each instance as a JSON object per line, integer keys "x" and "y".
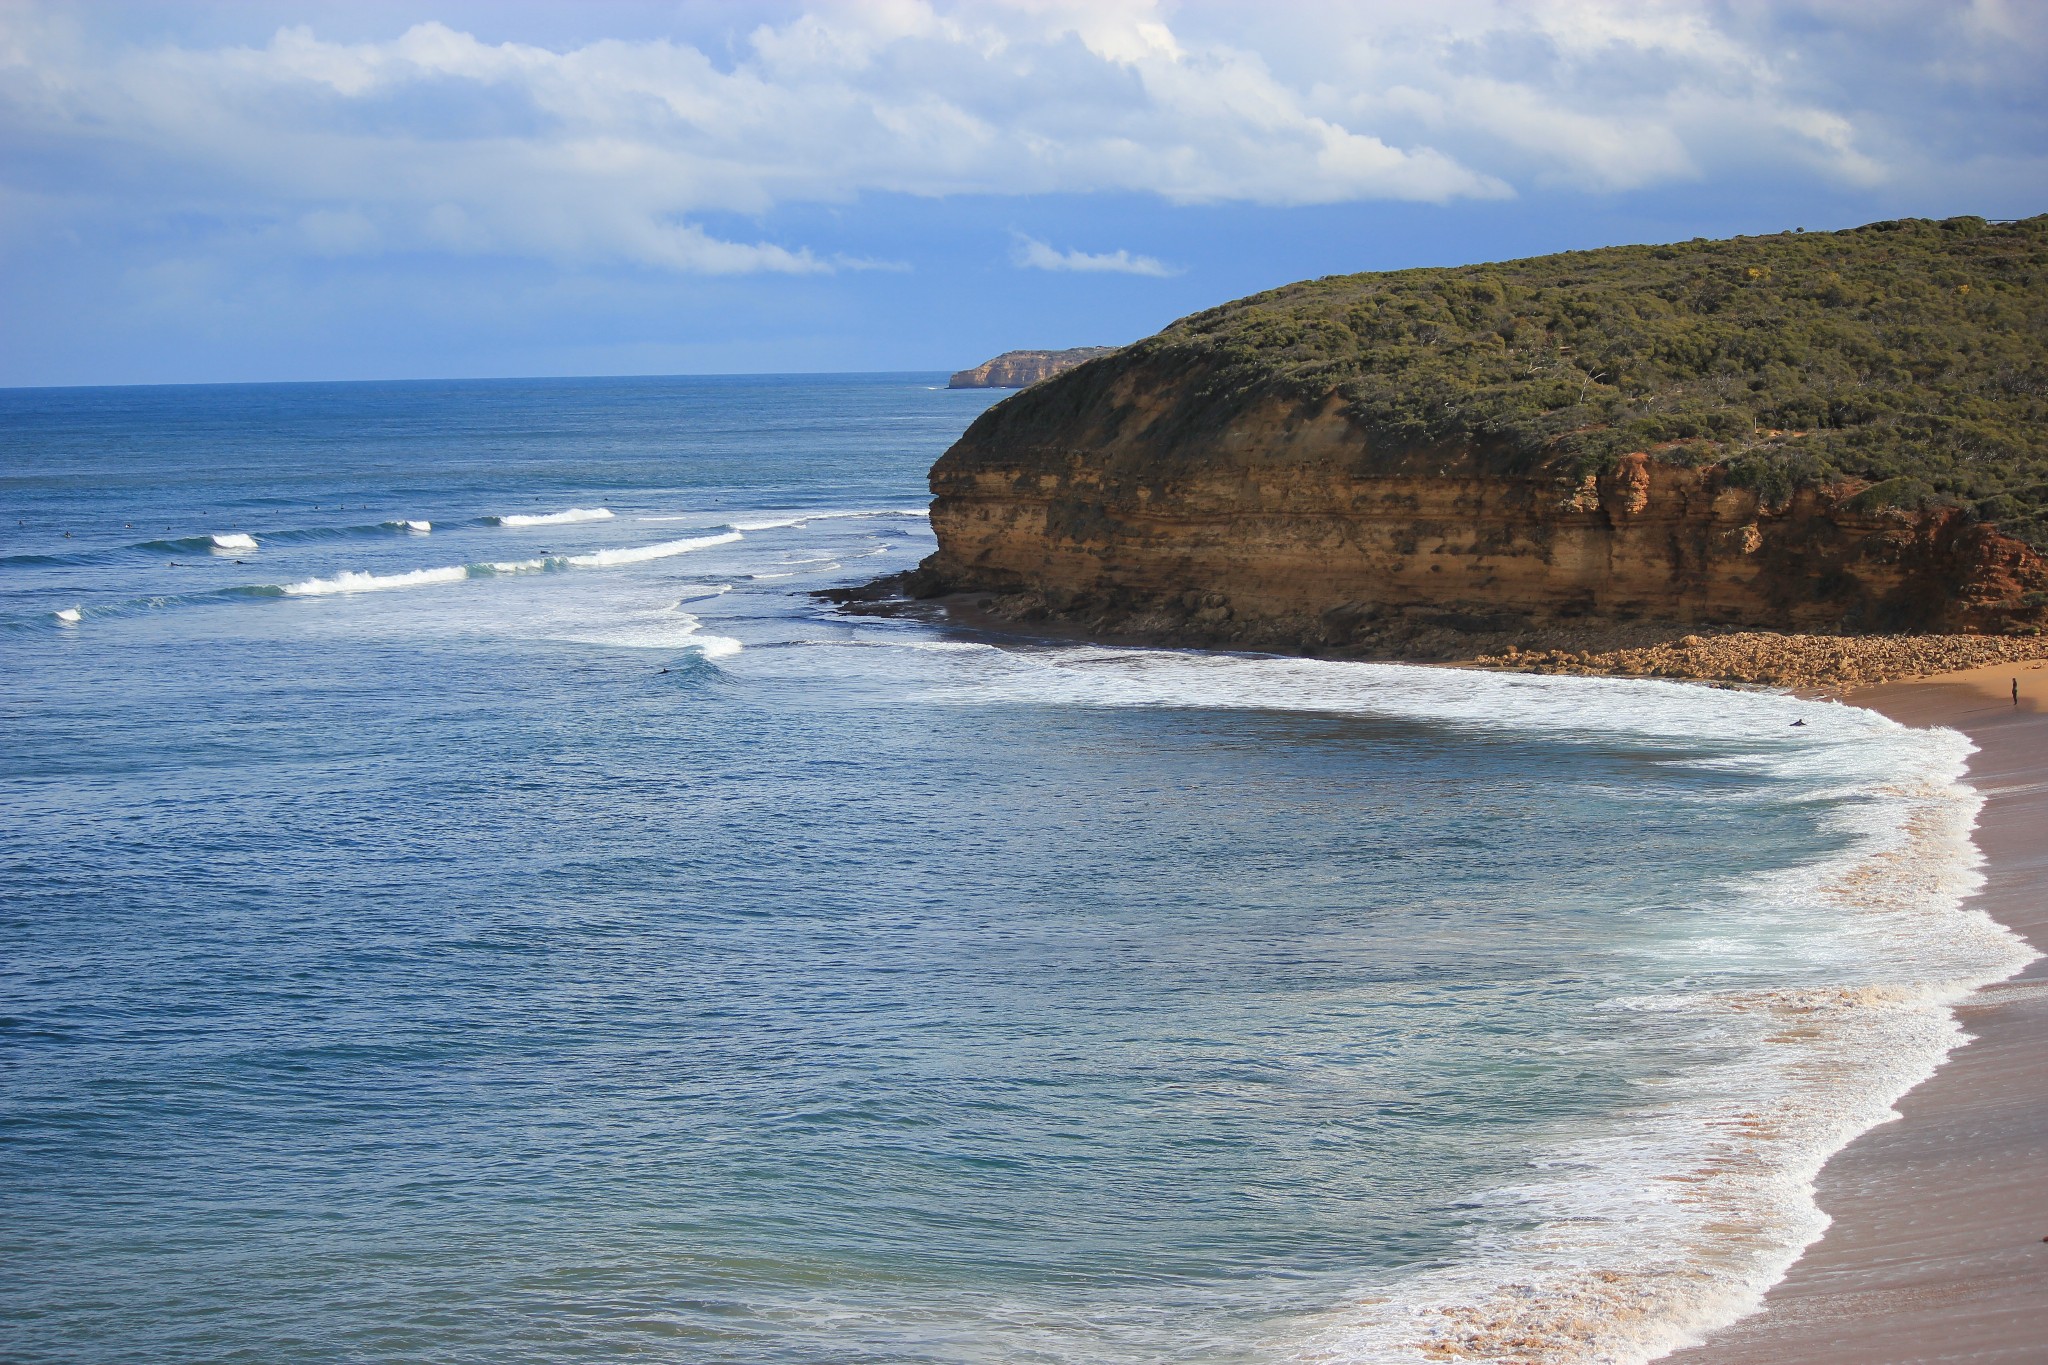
{"x": 431, "y": 935}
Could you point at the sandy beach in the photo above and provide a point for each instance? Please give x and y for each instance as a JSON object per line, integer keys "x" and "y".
{"x": 1939, "y": 1246}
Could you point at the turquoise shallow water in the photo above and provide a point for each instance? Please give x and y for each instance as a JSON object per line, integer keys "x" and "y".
{"x": 432, "y": 936}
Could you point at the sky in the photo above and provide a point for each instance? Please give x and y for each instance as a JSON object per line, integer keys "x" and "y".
{"x": 251, "y": 191}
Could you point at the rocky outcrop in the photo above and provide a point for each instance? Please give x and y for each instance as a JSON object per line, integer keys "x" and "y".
{"x": 1131, "y": 496}
{"x": 1017, "y": 369}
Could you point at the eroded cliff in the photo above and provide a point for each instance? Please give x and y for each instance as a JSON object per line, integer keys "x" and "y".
{"x": 1201, "y": 489}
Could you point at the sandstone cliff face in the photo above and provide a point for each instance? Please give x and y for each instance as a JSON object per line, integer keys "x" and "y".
{"x": 1018, "y": 369}
{"x": 1125, "y": 492}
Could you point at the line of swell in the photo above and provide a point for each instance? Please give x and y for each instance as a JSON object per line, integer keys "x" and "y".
{"x": 357, "y": 581}
{"x": 351, "y": 581}
{"x": 222, "y": 542}
{"x": 192, "y": 545}
{"x": 71, "y": 617}
{"x": 804, "y": 518}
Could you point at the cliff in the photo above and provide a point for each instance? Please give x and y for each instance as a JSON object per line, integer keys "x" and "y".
{"x": 1019, "y": 369}
{"x": 1822, "y": 432}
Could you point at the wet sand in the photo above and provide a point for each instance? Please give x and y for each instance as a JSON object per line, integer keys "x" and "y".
{"x": 1939, "y": 1246}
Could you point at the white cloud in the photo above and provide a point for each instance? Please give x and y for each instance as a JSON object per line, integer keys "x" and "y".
{"x": 1032, "y": 254}
{"x": 621, "y": 151}
{"x": 617, "y": 151}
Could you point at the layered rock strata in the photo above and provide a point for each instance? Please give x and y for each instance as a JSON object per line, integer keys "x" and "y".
{"x": 1106, "y": 497}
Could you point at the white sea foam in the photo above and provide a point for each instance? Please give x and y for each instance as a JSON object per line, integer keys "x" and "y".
{"x": 1641, "y": 1239}
{"x": 1636, "y": 1237}
{"x": 353, "y": 581}
{"x": 69, "y": 616}
{"x": 711, "y": 646}
{"x": 418, "y": 528}
{"x": 232, "y": 540}
{"x": 553, "y": 518}
{"x": 804, "y": 518}
{"x": 640, "y": 554}
{"x": 671, "y": 629}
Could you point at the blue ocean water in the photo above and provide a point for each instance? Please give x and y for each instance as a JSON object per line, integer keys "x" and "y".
{"x": 462, "y": 899}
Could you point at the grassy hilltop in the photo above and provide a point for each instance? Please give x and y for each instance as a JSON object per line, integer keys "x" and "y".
{"x": 1912, "y": 355}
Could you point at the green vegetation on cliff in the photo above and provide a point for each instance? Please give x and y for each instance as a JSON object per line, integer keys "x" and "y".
{"x": 1909, "y": 355}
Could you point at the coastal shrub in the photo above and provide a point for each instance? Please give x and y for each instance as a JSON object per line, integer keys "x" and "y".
{"x": 1904, "y": 494}
{"x": 1909, "y": 355}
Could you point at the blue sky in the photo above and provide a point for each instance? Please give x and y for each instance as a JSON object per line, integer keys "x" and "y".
{"x": 254, "y": 191}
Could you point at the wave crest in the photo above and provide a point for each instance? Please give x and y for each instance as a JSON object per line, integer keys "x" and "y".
{"x": 573, "y": 514}
{"x": 354, "y": 581}
{"x": 640, "y": 554}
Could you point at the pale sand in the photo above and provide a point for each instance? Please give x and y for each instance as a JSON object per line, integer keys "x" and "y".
{"x": 1937, "y": 1252}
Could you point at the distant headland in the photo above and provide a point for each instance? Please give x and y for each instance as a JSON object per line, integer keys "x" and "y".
{"x": 1019, "y": 369}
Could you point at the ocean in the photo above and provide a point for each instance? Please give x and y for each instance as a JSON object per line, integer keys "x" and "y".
{"x": 462, "y": 899}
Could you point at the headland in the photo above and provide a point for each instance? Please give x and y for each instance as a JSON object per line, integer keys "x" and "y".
{"x": 1815, "y": 432}
{"x": 1021, "y": 369}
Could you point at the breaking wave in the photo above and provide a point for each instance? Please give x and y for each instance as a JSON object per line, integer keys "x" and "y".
{"x": 573, "y": 514}
{"x": 373, "y": 530}
{"x": 220, "y": 542}
{"x": 640, "y": 554}
{"x": 802, "y": 518}
{"x": 353, "y": 581}
{"x": 672, "y": 629}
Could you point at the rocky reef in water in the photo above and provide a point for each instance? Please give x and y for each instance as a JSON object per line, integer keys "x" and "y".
{"x": 1020, "y": 369}
{"x": 1831, "y": 433}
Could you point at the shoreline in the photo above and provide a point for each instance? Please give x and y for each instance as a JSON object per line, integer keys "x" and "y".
{"x": 1937, "y": 1243}
{"x": 1722, "y": 656}
{"x": 1937, "y": 1250}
